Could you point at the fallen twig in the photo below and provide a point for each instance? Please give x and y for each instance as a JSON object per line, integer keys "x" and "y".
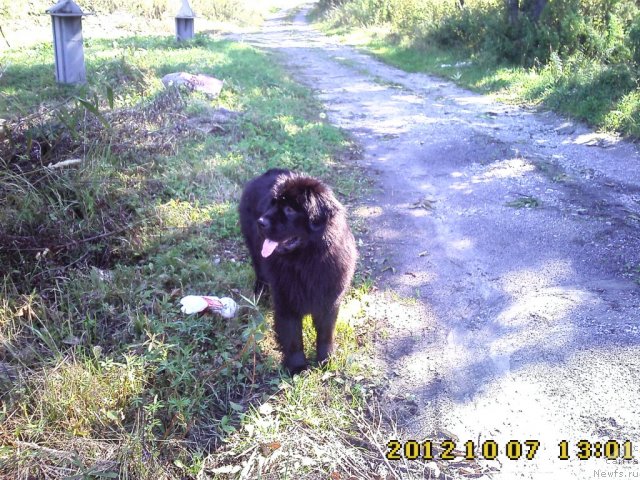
{"x": 50, "y": 451}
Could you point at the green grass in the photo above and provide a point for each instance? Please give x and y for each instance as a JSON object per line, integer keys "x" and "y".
{"x": 101, "y": 376}
{"x": 524, "y": 202}
{"x": 605, "y": 96}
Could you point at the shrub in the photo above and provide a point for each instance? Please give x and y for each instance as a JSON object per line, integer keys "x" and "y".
{"x": 607, "y": 30}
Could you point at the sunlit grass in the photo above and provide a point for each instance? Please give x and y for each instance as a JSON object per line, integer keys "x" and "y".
{"x": 182, "y": 214}
{"x": 81, "y": 397}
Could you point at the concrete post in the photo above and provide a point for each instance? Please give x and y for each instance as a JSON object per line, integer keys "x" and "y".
{"x": 184, "y": 22}
{"x": 66, "y": 18}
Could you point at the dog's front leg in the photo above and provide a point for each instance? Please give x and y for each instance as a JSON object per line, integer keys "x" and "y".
{"x": 288, "y": 327}
{"x": 325, "y": 324}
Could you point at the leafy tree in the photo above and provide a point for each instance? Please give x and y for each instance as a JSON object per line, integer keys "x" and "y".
{"x": 531, "y": 8}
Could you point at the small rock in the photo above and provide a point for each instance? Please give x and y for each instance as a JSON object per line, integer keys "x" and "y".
{"x": 565, "y": 129}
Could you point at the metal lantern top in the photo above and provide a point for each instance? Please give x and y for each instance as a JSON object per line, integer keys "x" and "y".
{"x": 185, "y": 11}
{"x": 65, "y": 8}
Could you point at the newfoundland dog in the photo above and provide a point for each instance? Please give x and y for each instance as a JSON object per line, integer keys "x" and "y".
{"x": 301, "y": 246}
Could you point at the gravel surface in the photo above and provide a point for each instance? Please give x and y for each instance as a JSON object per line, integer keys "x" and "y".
{"x": 512, "y": 237}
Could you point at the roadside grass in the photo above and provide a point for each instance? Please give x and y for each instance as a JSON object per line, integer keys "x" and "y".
{"x": 524, "y": 201}
{"x": 101, "y": 376}
{"x": 604, "y": 96}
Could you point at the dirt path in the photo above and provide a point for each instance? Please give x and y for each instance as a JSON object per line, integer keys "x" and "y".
{"x": 519, "y": 323}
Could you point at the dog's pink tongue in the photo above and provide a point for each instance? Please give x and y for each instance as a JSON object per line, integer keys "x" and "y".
{"x": 268, "y": 247}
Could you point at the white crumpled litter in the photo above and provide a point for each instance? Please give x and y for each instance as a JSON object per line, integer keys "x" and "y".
{"x": 225, "y": 306}
{"x": 204, "y": 83}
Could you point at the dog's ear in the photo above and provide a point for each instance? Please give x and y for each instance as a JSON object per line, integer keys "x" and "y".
{"x": 312, "y": 204}
{"x": 317, "y": 202}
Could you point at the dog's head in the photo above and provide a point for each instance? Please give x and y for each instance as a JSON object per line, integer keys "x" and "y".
{"x": 298, "y": 213}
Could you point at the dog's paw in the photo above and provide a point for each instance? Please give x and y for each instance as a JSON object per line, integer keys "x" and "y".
{"x": 295, "y": 363}
{"x": 324, "y": 352}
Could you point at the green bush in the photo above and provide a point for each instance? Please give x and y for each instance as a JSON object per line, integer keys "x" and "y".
{"x": 357, "y": 12}
{"x": 607, "y": 30}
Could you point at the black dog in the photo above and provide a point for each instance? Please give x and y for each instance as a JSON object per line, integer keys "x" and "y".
{"x": 301, "y": 246}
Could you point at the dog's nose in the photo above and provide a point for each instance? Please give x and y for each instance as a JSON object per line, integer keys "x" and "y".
{"x": 263, "y": 223}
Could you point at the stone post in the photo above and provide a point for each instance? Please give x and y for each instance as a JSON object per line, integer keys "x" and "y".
{"x": 184, "y": 22}
{"x": 66, "y": 18}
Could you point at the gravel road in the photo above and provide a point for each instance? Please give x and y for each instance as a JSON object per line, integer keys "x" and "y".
{"x": 511, "y": 238}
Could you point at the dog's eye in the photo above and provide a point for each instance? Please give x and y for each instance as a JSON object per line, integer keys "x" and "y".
{"x": 289, "y": 211}
{"x": 316, "y": 226}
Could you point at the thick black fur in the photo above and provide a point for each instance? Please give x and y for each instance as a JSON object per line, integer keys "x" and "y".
{"x": 313, "y": 265}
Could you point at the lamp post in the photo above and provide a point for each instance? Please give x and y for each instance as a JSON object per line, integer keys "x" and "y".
{"x": 66, "y": 18}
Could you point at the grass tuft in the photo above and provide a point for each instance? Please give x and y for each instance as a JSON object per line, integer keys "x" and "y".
{"x": 524, "y": 202}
